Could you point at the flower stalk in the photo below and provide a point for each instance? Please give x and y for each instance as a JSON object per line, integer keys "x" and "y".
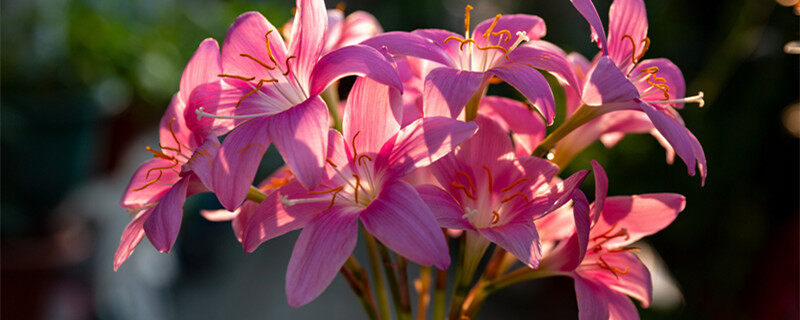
{"x": 377, "y": 278}
{"x": 581, "y": 116}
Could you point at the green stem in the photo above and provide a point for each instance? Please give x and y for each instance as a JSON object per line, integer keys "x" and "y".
{"x": 581, "y": 116}
{"x": 331, "y": 98}
{"x": 471, "y": 251}
{"x": 471, "y": 109}
{"x": 394, "y": 287}
{"x": 375, "y": 265}
{"x": 358, "y": 280}
{"x": 423, "y": 286}
{"x": 484, "y": 288}
{"x": 254, "y": 194}
{"x": 402, "y": 279}
{"x": 439, "y": 296}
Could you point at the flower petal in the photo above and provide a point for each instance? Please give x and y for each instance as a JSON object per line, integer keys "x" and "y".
{"x": 358, "y": 26}
{"x": 546, "y": 56}
{"x": 580, "y": 211}
{"x": 133, "y": 198}
{"x": 626, "y": 18}
{"x": 409, "y": 44}
{"x": 533, "y": 26}
{"x": 301, "y": 136}
{"x": 597, "y": 302}
{"x": 527, "y": 127}
{"x": 319, "y": 253}
{"x": 438, "y": 36}
{"x": 308, "y": 37}
{"x": 639, "y": 215}
{"x": 669, "y": 74}
{"x": 246, "y": 36}
{"x": 633, "y": 279}
{"x": 520, "y": 239}
{"x": 358, "y": 60}
{"x": 487, "y": 146}
{"x": 219, "y": 215}
{"x": 447, "y": 91}
{"x": 680, "y": 138}
{"x": 421, "y": 143}
{"x": 589, "y": 12}
{"x": 201, "y": 162}
{"x": 164, "y": 222}
{"x": 600, "y": 190}
{"x": 374, "y": 112}
{"x": 203, "y": 67}
{"x": 272, "y": 218}
{"x": 532, "y": 85}
{"x": 400, "y": 219}
{"x": 237, "y": 160}
{"x": 606, "y": 84}
{"x": 131, "y": 236}
{"x": 447, "y": 211}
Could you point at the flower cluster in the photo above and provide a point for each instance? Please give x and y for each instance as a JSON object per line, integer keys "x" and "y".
{"x": 419, "y": 153}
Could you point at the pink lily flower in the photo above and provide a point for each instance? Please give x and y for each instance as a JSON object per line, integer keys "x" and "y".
{"x": 272, "y": 93}
{"x": 609, "y": 128}
{"x": 468, "y": 64}
{"x": 365, "y": 165}
{"x": 493, "y": 193}
{"x": 356, "y": 27}
{"x": 159, "y": 187}
{"x": 608, "y": 269}
{"x": 620, "y": 79}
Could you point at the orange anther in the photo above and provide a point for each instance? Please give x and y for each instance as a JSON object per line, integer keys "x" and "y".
{"x": 511, "y": 197}
{"x": 223, "y": 75}
{"x": 515, "y": 183}
{"x": 491, "y": 26}
{"x": 262, "y": 63}
{"x": 288, "y": 68}
{"x": 469, "y": 179}
{"x": 495, "y": 217}
{"x": 464, "y": 188}
{"x": 489, "y": 176}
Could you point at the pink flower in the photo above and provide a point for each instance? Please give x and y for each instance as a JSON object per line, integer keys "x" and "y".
{"x": 271, "y": 92}
{"x": 619, "y": 79}
{"x": 494, "y": 49}
{"x": 496, "y": 194}
{"x": 362, "y": 182}
{"x": 342, "y": 32}
{"x": 607, "y": 269}
{"x": 160, "y": 186}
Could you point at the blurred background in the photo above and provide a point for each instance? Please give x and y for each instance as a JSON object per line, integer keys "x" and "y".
{"x": 84, "y": 83}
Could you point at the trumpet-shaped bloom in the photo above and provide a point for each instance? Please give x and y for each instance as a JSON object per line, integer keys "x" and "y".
{"x": 468, "y": 63}
{"x": 344, "y": 31}
{"x": 160, "y": 186}
{"x": 606, "y": 270}
{"x": 491, "y": 191}
{"x": 362, "y": 182}
{"x": 272, "y": 94}
{"x": 655, "y": 86}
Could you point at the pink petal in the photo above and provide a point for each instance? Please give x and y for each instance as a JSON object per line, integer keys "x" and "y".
{"x": 626, "y": 17}
{"x": 447, "y": 91}
{"x": 605, "y": 84}
{"x": 596, "y": 302}
{"x": 634, "y": 279}
{"x": 270, "y": 185}
{"x": 272, "y": 218}
{"x": 520, "y": 239}
{"x": 174, "y": 134}
{"x": 527, "y": 127}
{"x": 373, "y": 112}
{"x": 447, "y": 211}
{"x": 334, "y": 32}
{"x": 308, "y": 37}
{"x": 557, "y": 225}
{"x": 671, "y": 75}
{"x": 532, "y": 85}
{"x": 246, "y": 35}
{"x": 164, "y": 222}
{"x": 409, "y": 44}
{"x": 131, "y": 237}
{"x": 421, "y": 143}
{"x": 319, "y": 253}
{"x": 681, "y": 139}
{"x": 203, "y": 67}
{"x": 358, "y": 26}
{"x": 134, "y": 199}
{"x": 589, "y": 12}
{"x": 600, "y": 190}
{"x": 400, "y": 219}
{"x": 580, "y": 210}
{"x": 639, "y": 215}
{"x": 201, "y": 162}
{"x": 548, "y": 200}
{"x": 487, "y": 146}
{"x": 438, "y": 36}
{"x": 301, "y": 136}
{"x": 219, "y": 215}
{"x": 546, "y": 56}
{"x": 533, "y": 26}
{"x": 237, "y": 160}
{"x": 355, "y": 60}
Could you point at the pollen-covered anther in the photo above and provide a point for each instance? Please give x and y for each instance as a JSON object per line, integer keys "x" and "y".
{"x": 464, "y": 188}
{"x": 362, "y": 157}
{"x": 646, "y": 45}
{"x": 518, "y": 194}
{"x": 233, "y": 76}
{"x": 256, "y": 89}
{"x": 495, "y": 217}
{"x": 333, "y": 191}
{"x": 515, "y": 183}
{"x": 262, "y": 63}
{"x": 288, "y": 68}
{"x": 467, "y": 9}
{"x": 489, "y": 178}
{"x": 615, "y": 271}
